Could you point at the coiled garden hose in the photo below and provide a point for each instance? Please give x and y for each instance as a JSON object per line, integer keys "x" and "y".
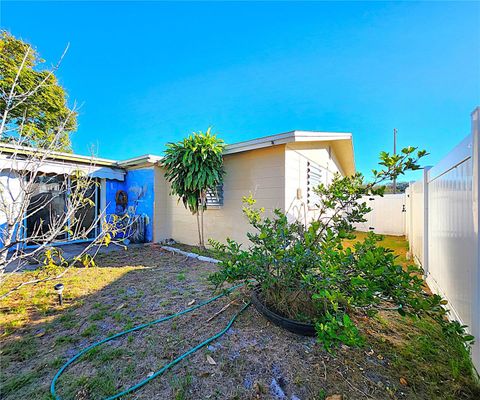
{"x": 146, "y": 325}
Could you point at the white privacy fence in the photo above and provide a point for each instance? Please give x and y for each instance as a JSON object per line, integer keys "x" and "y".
{"x": 442, "y": 227}
{"x": 387, "y": 216}
{"x": 415, "y": 219}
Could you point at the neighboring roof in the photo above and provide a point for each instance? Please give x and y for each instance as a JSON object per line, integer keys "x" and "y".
{"x": 342, "y": 143}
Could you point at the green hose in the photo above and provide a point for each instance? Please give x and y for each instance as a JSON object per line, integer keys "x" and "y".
{"x": 142, "y": 326}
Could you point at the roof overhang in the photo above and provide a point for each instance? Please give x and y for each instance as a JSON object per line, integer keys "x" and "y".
{"x": 141, "y": 161}
{"x": 54, "y": 155}
{"x": 59, "y": 167}
{"x": 22, "y": 158}
{"x": 342, "y": 143}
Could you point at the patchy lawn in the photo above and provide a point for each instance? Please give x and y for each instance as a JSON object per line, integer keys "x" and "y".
{"x": 402, "y": 358}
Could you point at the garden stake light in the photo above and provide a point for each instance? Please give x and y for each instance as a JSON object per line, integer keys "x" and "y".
{"x": 59, "y": 289}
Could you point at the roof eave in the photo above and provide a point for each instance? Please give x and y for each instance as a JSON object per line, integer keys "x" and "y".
{"x": 146, "y": 159}
{"x": 56, "y": 155}
{"x": 284, "y": 138}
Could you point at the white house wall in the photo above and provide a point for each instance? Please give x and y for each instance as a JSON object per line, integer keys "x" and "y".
{"x": 259, "y": 172}
{"x": 297, "y": 156}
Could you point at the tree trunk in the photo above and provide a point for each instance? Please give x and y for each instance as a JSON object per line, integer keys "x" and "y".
{"x": 202, "y": 207}
{"x": 198, "y": 228}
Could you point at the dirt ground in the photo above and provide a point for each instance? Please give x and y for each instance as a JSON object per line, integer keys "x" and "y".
{"x": 253, "y": 360}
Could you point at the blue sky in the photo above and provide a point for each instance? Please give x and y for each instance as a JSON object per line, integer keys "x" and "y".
{"x": 148, "y": 73}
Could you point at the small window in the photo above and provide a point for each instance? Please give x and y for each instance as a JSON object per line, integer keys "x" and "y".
{"x": 314, "y": 178}
{"x": 215, "y": 196}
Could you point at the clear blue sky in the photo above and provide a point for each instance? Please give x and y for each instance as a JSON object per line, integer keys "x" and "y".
{"x": 149, "y": 73}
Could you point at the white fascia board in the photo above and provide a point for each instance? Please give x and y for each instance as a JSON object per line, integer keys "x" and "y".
{"x": 145, "y": 159}
{"x": 55, "y": 155}
{"x": 312, "y": 136}
{"x": 284, "y": 138}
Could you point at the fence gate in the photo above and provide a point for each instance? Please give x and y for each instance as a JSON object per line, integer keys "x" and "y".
{"x": 387, "y": 216}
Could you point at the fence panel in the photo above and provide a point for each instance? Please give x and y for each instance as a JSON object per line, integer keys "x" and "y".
{"x": 415, "y": 219}
{"x": 387, "y": 216}
{"x": 446, "y": 242}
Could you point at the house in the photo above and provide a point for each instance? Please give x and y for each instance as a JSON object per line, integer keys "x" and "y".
{"x": 280, "y": 171}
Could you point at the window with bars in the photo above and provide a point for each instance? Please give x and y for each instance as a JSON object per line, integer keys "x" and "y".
{"x": 314, "y": 178}
{"x": 215, "y": 196}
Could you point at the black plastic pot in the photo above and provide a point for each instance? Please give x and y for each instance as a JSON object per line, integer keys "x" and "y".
{"x": 291, "y": 325}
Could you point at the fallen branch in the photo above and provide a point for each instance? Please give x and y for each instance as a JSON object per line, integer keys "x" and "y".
{"x": 354, "y": 387}
{"x": 221, "y": 310}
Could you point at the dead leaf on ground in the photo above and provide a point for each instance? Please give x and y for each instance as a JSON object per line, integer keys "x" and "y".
{"x": 334, "y": 397}
{"x": 211, "y": 361}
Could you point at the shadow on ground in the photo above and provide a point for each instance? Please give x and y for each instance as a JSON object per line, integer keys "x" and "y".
{"x": 253, "y": 360}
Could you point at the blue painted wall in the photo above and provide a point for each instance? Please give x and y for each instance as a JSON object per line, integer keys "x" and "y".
{"x": 139, "y": 185}
{"x": 112, "y": 186}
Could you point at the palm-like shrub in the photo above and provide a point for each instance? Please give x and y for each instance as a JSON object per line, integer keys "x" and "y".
{"x": 193, "y": 166}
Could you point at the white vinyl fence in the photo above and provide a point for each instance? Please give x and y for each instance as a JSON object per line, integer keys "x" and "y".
{"x": 442, "y": 225}
{"x": 387, "y": 216}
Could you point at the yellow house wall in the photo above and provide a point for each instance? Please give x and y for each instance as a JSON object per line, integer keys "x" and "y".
{"x": 296, "y": 157}
{"x": 260, "y": 172}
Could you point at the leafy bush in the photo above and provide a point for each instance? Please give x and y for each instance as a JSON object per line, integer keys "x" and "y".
{"x": 306, "y": 273}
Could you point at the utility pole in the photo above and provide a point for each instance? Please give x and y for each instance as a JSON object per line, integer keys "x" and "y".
{"x": 394, "y": 153}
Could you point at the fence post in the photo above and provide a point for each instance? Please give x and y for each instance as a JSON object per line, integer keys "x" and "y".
{"x": 425, "y": 221}
{"x": 476, "y": 226}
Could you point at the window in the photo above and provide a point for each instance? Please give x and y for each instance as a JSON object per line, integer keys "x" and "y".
{"x": 314, "y": 178}
{"x": 215, "y": 197}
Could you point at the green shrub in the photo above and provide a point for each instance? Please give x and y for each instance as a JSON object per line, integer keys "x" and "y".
{"x": 306, "y": 273}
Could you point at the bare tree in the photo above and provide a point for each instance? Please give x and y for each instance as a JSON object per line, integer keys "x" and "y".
{"x": 60, "y": 204}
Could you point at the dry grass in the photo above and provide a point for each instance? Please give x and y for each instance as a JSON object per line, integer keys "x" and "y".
{"x": 255, "y": 360}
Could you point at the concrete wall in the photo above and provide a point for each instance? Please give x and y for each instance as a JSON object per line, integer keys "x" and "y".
{"x": 111, "y": 187}
{"x": 139, "y": 186}
{"x": 260, "y": 172}
{"x": 297, "y": 156}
